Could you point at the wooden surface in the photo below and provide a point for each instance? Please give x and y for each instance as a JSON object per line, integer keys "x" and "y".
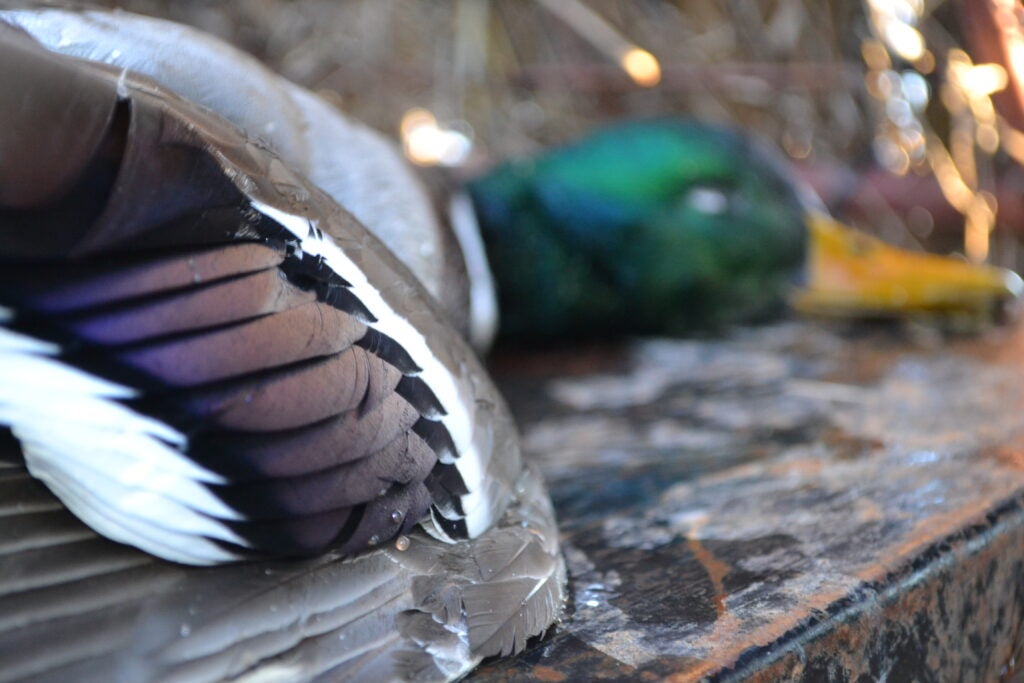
{"x": 793, "y": 503}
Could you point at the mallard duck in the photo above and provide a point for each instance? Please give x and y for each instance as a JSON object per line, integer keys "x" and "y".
{"x": 205, "y": 358}
{"x": 672, "y": 225}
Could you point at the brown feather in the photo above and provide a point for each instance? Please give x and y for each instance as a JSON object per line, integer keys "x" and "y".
{"x": 223, "y": 302}
{"x": 42, "y": 161}
{"x": 405, "y": 460}
{"x": 298, "y": 395}
{"x": 164, "y": 267}
{"x": 306, "y": 331}
{"x": 67, "y": 286}
{"x": 332, "y": 442}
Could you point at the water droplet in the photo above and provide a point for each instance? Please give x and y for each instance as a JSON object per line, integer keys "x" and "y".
{"x": 396, "y": 517}
{"x": 374, "y": 540}
{"x": 402, "y": 544}
{"x": 185, "y": 630}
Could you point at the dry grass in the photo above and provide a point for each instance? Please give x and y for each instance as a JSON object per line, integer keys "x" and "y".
{"x": 518, "y": 78}
{"x": 523, "y": 78}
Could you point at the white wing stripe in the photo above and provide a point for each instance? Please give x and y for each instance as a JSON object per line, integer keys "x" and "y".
{"x": 178, "y": 547}
{"x": 148, "y": 506}
{"x": 121, "y": 472}
{"x": 459, "y": 420}
{"x": 111, "y": 456}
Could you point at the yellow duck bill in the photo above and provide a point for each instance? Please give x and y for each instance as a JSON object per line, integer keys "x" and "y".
{"x": 851, "y": 274}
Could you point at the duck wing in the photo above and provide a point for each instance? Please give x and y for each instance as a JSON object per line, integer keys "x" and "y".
{"x": 356, "y": 166}
{"x": 75, "y": 606}
{"x": 205, "y": 356}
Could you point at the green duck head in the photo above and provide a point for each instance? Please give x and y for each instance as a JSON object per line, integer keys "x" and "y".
{"x": 672, "y": 226}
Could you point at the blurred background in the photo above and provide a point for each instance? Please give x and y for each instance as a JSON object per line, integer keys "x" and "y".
{"x": 907, "y": 116}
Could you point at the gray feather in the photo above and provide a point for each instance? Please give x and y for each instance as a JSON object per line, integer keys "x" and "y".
{"x": 504, "y": 588}
{"x": 75, "y": 606}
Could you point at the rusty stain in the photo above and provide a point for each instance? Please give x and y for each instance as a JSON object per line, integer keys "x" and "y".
{"x": 716, "y": 569}
{"x": 548, "y": 675}
{"x": 1011, "y": 456}
{"x": 846, "y": 446}
{"x": 1009, "y": 453}
{"x": 690, "y": 676}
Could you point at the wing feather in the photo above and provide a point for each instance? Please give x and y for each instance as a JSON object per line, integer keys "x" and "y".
{"x": 98, "y": 611}
{"x": 77, "y": 285}
{"x": 299, "y": 451}
{"x": 242, "y": 298}
{"x": 306, "y": 331}
{"x": 219, "y": 341}
{"x": 297, "y": 395}
{"x": 304, "y": 342}
{"x": 252, "y": 356}
{"x": 508, "y": 587}
{"x": 404, "y": 461}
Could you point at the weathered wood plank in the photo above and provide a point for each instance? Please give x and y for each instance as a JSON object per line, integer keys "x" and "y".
{"x": 790, "y": 503}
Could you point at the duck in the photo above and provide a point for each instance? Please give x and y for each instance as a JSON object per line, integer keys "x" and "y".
{"x": 242, "y": 304}
{"x": 240, "y": 434}
{"x": 680, "y": 227}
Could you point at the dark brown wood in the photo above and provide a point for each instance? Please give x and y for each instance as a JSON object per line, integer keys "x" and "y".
{"x": 795, "y": 502}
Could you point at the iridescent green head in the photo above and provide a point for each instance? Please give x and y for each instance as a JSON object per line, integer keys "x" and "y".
{"x": 671, "y": 226}
{"x": 658, "y": 226}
